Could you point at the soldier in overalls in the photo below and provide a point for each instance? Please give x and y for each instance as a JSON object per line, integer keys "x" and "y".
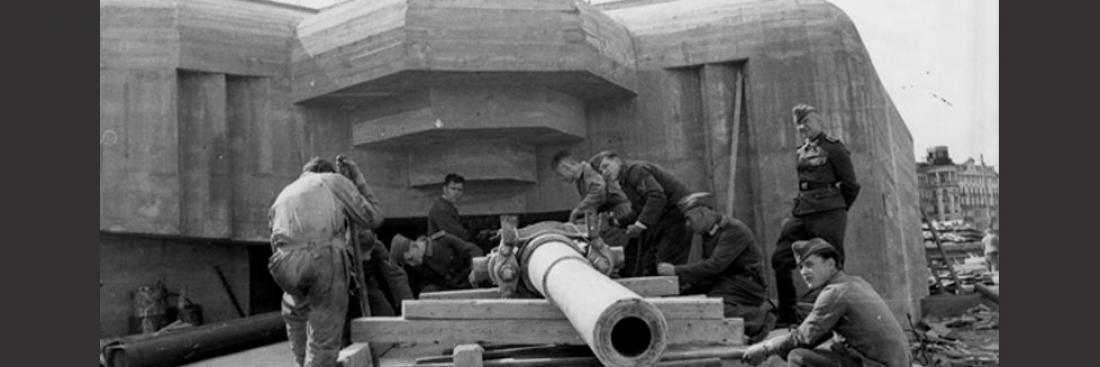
{"x": 827, "y": 187}
{"x": 311, "y": 259}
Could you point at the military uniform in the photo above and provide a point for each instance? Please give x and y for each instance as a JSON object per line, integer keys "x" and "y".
{"x": 597, "y": 195}
{"x": 443, "y": 216}
{"x": 827, "y": 188}
{"x": 731, "y": 267}
{"x": 311, "y": 261}
{"x": 848, "y": 307}
{"x": 653, "y": 194}
{"x": 446, "y": 265}
{"x": 865, "y": 332}
{"x": 387, "y": 283}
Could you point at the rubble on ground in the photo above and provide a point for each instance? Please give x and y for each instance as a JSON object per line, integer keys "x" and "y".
{"x": 971, "y": 339}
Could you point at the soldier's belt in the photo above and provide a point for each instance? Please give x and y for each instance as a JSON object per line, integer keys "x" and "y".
{"x": 814, "y": 186}
{"x": 287, "y": 245}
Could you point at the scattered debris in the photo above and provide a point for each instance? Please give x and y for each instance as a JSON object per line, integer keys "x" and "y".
{"x": 971, "y": 339}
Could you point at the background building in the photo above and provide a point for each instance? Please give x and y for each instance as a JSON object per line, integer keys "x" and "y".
{"x": 966, "y": 192}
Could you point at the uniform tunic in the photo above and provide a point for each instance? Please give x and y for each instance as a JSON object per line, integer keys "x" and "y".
{"x": 597, "y": 195}
{"x": 732, "y": 268}
{"x": 446, "y": 265}
{"x": 827, "y": 188}
{"x": 851, "y": 309}
{"x": 443, "y": 216}
{"x": 653, "y": 194}
{"x": 826, "y": 178}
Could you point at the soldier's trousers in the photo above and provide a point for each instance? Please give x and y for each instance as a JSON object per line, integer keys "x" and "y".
{"x": 667, "y": 241}
{"x": 755, "y": 317}
{"x": 802, "y": 357}
{"x": 828, "y": 225}
{"x": 314, "y": 279}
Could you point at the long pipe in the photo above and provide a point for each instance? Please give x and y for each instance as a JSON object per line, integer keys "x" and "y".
{"x": 620, "y": 327}
{"x": 200, "y": 342}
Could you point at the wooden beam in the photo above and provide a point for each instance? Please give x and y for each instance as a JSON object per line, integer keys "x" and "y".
{"x": 541, "y": 309}
{"x": 468, "y": 355}
{"x": 716, "y": 102}
{"x": 355, "y": 355}
{"x": 701, "y": 362}
{"x": 574, "y": 361}
{"x": 398, "y": 330}
{"x": 658, "y": 286}
{"x": 735, "y": 134}
{"x": 491, "y": 293}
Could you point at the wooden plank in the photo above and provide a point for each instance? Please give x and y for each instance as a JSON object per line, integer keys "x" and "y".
{"x": 355, "y": 355}
{"x": 680, "y": 355}
{"x": 657, "y": 286}
{"x": 735, "y": 137}
{"x": 462, "y": 294}
{"x": 398, "y": 330}
{"x": 542, "y": 309}
{"x": 575, "y": 362}
{"x": 468, "y": 355}
{"x": 716, "y": 83}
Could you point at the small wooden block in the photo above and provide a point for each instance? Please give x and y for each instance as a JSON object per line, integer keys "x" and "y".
{"x": 468, "y": 355}
{"x": 355, "y": 355}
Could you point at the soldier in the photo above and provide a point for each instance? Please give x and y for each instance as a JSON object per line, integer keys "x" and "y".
{"x": 653, "y": 194}
{"x": 387, "y": 282}
{"x": 311, "y": 260}
{"x": 827, "y": 188}
{"x": 992, "y": 245}
{"x": 847, "y": 307}
{"x": 595, "y": 193}
{"x": 443, "y": 215}
{"x": 726, "y": 264}
{"x": 437, "y": 263}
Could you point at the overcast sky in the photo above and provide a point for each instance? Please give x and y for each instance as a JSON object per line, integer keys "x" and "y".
{"x": 938, "y": 60}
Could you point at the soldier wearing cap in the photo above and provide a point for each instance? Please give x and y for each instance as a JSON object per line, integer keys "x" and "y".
{"x": 653, "y": 193}
{"x": 726, "y": 264}
{"x": 827, "y": 187}
{"x": 848, "y": 308}
{"x": 436, "y": 263}
{"x": 596, "y": 194}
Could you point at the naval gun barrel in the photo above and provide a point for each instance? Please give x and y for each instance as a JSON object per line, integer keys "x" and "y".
{"x": 620, "y": 327}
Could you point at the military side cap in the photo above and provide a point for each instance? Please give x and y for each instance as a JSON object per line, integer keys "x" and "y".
{"x": 599, "y": 157}
{"x": 803, "y": 249}
{"x": 801, "y": 110}
{"x": 398, "y": 246}
{"x": 695, "y": 200}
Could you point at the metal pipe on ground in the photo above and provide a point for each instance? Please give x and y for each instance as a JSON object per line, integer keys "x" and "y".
{"x": 992, "y": 295}
{"x": 192, "y": 344}
{"x": 620, "y": 327}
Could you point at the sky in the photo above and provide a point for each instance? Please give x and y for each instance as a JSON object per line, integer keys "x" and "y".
{"x": 937, "y": 59}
